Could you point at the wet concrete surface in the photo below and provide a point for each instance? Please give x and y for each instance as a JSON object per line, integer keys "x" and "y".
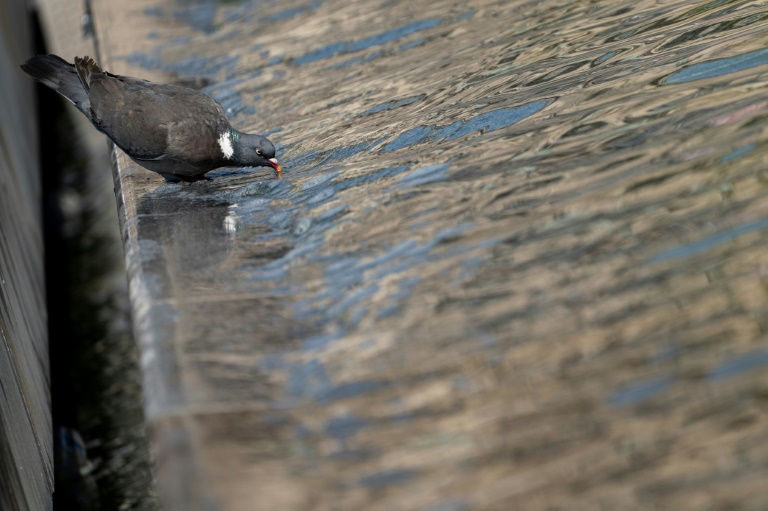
{"x": 515, "y": 260}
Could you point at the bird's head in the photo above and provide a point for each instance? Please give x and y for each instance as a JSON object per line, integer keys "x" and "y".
{"x": 254, "y": 151}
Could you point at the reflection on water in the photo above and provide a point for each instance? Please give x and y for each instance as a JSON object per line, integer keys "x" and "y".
{"x": 740, "y": 364}
{"x": 375, "y": 40}
{"x": 641, "y": 391}
{"x": 719, "y": 67}
{"x": 173, "y": 228}
{"x": 514, "y": 263}
{"x": 709, "y": 242}
{"x": 490, "y": 121}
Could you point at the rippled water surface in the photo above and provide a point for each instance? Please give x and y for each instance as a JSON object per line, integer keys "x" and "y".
{"x": 516, "y": 259}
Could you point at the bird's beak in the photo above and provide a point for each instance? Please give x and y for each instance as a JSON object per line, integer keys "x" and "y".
{"x": 273, "y": 163}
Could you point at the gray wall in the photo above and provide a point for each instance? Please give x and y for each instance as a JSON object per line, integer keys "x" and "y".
{"x": 26, "y": 463}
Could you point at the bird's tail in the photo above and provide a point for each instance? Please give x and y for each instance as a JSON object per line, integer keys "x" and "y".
{"x": 61, "y": 76}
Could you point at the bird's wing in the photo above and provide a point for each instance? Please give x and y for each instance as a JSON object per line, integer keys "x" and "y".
{"x": 154, "y": 121}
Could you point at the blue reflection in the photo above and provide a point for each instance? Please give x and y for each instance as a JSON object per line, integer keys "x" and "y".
{"x": 387, "y": 478}
{"x": 201, "y": 17}
{"x": 394, "y": 34}
{"x": 230, "y": 98}
{"x": 352, "y": 389}
{"x": 343, "y": 427}
{"x": 412, "y": 44}
{"x": 709, "y": 242}
{"x": 308, "y": 380}
{"x": 208, "y": 67}
{"x": 374, "y": 40}
{"x": 322, "y": 53}
{"x": 719, "y": 67}
{"x": 408, "y": 138}
{"x": 392, "y": 104}
{"x": 489, "y": 121}
{"x": 641, "y": 391}
{"x": 290, "y": 13}
{"x": 353, "y": 454}
{"x": 424, "y": 175}
{"x": 498, "y": 119}
{"x": 738, "y": 153}
{"x": 358, "y": 60}
{"x": 605, "y": 57}
{"x": 739, "y": 365}
{"x": 450, "y": 505}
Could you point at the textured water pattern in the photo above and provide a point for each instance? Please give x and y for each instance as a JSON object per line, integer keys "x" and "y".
{"x": 516, "y": 259}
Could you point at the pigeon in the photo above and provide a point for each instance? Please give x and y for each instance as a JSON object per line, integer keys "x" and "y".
{"x": 179, "y": 133}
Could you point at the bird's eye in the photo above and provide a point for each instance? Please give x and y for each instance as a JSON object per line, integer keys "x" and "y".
{"x": 258, "y": 151}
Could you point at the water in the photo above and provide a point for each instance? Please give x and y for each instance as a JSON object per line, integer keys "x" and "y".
{"x": 493, "y": 219}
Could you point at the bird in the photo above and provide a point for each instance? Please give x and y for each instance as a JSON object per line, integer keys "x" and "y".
{"x": 177, "y": 132}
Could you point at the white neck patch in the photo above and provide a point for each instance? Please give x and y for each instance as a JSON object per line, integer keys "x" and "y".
{"x": 225, "y": 143}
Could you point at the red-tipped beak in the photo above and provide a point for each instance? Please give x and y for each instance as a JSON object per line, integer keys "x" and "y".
{"x": 273, "y": 163}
